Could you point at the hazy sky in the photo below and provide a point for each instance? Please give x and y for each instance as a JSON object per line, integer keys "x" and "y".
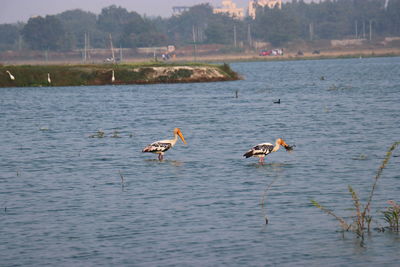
{"x": 21, "y": 10}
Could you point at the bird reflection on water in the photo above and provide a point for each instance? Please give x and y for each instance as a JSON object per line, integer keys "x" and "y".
{"x": 275, "y": 166}
{"x": 175, "y": 163}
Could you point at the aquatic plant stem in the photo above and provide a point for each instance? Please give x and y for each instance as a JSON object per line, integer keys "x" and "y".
{"x": 378, "y": 175}
{"x": 264, "y": 198}
{"x": 343, "y": 223}
{"x": 362, "y": 218}
{"x": 122, "y": 180}
{"x": 359, "y": 221}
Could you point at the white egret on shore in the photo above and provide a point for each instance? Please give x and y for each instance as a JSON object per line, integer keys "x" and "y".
{"x": 11, "y": 76}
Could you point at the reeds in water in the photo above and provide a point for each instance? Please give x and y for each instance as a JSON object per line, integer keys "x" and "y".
{"x": 392, "y": 215}
{"x": 362, "y": 219}
{"x": 122, "y": 180}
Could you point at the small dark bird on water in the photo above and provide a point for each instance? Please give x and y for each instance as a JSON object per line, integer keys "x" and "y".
{"x": 278, "y": 102}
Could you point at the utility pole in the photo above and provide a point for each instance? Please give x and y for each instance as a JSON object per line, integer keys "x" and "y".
{"x": 20, "y": 42}
{"x": 234, "y": 35}
{"x": 363, "y": 29}
{"x": 88, "y": 46}
{"x": 199, "y": 33}
{"x": 85, "y": 49}
{"x": 46, "y": 55}
{"x": 356, "y": 29}
{"x": 120, "y": 53}
{"x": 370, "y": 30}
{"x": 194, "y": 43}
{"x": 311, "y": 29}
{"x": 249, "y": 40}
{"x": 112, "y": 49}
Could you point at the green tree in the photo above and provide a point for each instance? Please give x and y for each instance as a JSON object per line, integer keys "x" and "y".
{"x": 129, "y": 29}
{"x": 392, "y": 17}
{"x": 112, "y": 20}
{"x": 329, "y": 19}
{"x": 220, "y": 29}
{"x": 9, "y": 36}
{"x": 77, "y": 23}
{"x": 189, "y": 24}
{"x": 44, "y": 33}
{"x": 276, "y": 26}
{"x": 141, "y": 32}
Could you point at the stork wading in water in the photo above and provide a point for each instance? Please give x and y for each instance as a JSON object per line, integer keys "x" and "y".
{"x": 160, "y": 147}
{"x": 261, "y": 150}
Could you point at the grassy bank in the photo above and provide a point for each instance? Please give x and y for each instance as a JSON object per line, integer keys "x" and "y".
{"x": 101, "y": 74}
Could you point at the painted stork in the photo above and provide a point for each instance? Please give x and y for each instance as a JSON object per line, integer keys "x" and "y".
{"x": 11, "y": 76}
{"x": 261, "y": 150}
{"x": 160, "y": 147}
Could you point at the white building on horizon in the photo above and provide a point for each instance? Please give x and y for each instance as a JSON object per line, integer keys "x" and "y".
{"x": 178, "y": 10}
{"x": 230, "y": 8}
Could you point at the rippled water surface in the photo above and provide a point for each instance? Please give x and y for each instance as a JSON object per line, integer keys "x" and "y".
{"x": 68, "y": 199}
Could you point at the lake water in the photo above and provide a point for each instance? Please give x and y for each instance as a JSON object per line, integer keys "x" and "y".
{"x": 63, "y": 201}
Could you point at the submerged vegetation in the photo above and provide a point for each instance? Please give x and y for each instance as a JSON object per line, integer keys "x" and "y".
{"x": 102, "y": 134}
{"x": 102, "y": 74}
{"x": 362, "y": 219}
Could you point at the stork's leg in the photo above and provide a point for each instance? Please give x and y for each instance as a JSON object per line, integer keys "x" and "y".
{"x": 261, "y": 160}
{"x": 160, "y": 157}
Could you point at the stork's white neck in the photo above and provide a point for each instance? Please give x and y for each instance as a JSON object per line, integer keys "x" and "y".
{"x": 276, "y": 147}
{"x": 173, "y": 141}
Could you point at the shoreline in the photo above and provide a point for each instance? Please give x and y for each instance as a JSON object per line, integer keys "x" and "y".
{"x": 63, "y": 59}
{"x": 291, "y": 56}
{"x": 183, "y": 69}
{"x": 113, "y": 74}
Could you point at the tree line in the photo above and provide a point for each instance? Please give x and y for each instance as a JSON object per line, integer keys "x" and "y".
{"x": 297, "y": 20}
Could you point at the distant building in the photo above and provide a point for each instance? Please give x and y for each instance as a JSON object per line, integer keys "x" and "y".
{"x": 253, "y": 4}
{"x": 177, "y": 10}
{"x": 230, "y": 8}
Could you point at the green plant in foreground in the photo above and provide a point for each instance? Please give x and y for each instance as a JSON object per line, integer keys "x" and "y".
{"x": 362, "y": 217}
